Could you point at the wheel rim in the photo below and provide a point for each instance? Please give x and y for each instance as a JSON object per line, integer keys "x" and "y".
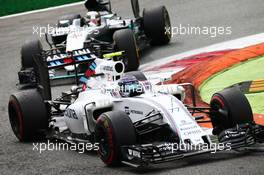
{"x": 126, "y": 59}
{"x": 137, "y": 49}
{"x": 167, "y": 24}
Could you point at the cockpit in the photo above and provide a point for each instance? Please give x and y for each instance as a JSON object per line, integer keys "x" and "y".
{"x": 129, "y": 86}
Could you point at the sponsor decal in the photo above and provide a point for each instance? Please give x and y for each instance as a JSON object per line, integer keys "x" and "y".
{"x": 136, "y": 112}
{"x": 185, "y": 123}
{"x": 132, "y": 111}
{"x": 67, "y": 55}
{"x": 108, "y": 68}
{"x": 70, "y": 113}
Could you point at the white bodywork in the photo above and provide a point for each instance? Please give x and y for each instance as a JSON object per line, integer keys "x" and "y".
{"x": 104, "y": 95}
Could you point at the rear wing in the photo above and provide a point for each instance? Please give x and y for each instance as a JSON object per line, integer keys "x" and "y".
{"x": 55, "y": 61}
{"x": 52, "y": 59}
{"x": 60, "y": 60}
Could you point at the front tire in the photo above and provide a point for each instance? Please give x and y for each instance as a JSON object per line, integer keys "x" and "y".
{"x": 28, "y": 115}
{"x": 113, "y": 130}
{"x": 229, "y": 107}
{"x": 125, "y": 41}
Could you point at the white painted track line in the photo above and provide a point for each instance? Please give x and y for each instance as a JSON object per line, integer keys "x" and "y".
{"x": 233, "y": 44}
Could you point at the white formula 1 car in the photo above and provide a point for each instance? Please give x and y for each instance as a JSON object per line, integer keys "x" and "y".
{"x": 132, "y": 120}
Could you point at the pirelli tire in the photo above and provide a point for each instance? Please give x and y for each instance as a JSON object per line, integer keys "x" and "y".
{"x": 113, "y": 130}
{"x": 125, "y": 41}
{"x": 31, "y": 61}
{"x": 229, "y": 107}
{"x": 30, "y": 50}
{"x": 157, "y": 25}
{"x": 28, "y": 115}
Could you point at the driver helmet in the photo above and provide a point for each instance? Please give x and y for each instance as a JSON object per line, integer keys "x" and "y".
{"x": 93, "y": 18}
{"x": 130, "y": 86}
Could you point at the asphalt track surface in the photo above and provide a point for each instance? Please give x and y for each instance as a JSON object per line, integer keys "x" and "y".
{"x": 244, "y": 16}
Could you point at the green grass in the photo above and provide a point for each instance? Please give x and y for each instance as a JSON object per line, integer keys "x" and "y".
{"x": 247, "y": 71}
{"x": 8, "y": 7}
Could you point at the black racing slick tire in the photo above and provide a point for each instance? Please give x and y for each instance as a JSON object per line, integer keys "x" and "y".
{"x": 157, "y": 25}
{"x": 125, "y": 41}
{"x": 138, "y": 75}
{"x": 113, "y": 130}
{"x": 28, "y": 115}
{"x": 33, "y": 69}
{"x": 30, "y": 50}
{"x": 229, "y": 108}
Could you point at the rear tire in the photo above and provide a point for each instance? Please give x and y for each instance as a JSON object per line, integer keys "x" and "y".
{"x": 31, "y": 61}
{"x": 28, "y": 115}
{"x": 125, "y": 41}
{"x": 113, "y": 130}
{"x": 156, "y": 25}
{"x": 30, "y": 50}
{"x": 230, "y": 107}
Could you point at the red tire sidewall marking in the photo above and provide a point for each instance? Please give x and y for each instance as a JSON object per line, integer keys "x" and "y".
{"x": 103, "y": 122}
{"x": 219, "y": 100}
{"x": 19, "y": 116}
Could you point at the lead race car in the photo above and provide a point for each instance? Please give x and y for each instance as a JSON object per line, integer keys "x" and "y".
{"x": 102, "y": 31}
{"x": 133, "y": 121}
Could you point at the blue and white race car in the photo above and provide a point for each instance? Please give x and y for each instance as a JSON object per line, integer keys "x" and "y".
{"x": 131, "y": 120}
